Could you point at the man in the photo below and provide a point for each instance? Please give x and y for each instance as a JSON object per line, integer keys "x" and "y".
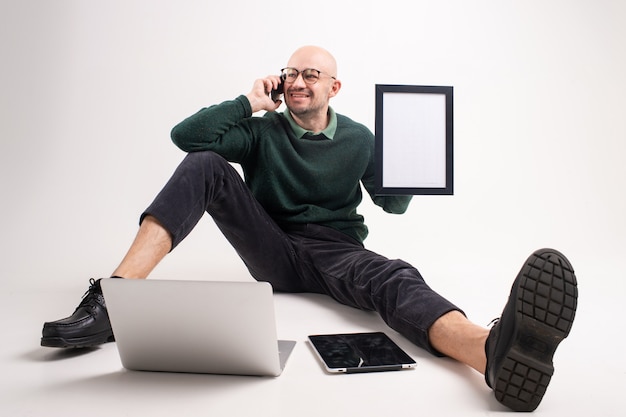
{"x": 294, "y": 223}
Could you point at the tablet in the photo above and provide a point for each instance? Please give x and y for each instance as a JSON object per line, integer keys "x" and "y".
{"x": 360, "y": 352}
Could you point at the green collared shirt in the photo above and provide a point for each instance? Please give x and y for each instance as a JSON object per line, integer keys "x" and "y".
{"x": 300, "y": 132}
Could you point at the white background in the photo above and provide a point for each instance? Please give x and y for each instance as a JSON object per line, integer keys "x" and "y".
{"x": 91, "y": 89}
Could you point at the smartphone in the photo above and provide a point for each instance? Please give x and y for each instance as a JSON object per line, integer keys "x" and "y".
{"x": 275, "y": 94}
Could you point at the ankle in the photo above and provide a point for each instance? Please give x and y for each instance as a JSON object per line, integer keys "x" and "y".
{"x": 456, "y": 337}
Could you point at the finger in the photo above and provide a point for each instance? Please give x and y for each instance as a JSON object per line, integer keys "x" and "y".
{"x": 275, "y": 80}
{"x": 266, "y": 85}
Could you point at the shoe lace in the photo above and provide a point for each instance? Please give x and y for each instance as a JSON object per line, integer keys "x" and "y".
{"x": 493, "y": 322}
{"x": 92, "y": 297}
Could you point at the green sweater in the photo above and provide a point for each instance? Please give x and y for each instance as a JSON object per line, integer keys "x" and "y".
{"x": 309, "y": 179}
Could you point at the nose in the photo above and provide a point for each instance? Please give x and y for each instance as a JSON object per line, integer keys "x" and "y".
{"x": 299, "y": 81}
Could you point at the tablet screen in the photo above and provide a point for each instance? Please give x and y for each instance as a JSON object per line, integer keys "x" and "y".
{"x": 360, "y": 352}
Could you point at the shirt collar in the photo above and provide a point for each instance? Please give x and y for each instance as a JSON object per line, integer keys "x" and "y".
{"x": 300, "y": 132}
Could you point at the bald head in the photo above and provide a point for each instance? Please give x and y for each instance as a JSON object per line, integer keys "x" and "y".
{"x": 307, "y": 100}
{"x": 314, "y": 57}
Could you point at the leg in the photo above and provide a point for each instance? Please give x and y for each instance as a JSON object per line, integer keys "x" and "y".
{"x": 202, "y": 182}
{"x": 334, "y": 264}
{"x": 515, "y": 355}
{"x": 206, "y": 182}
{"x": 150, "y": 246}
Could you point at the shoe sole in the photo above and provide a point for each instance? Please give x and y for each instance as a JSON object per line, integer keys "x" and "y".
{"x": 545, "y": 307}
{"x": 78, "y": 342}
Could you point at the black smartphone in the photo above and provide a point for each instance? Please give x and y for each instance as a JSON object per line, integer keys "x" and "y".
{"x": 276, "y": 93}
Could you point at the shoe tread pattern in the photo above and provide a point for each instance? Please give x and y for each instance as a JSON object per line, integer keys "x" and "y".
{"x": 545, "y": 308}
{"x": 549, "y": 293}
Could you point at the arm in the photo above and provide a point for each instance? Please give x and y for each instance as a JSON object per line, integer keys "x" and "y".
{"x": 395, "y": 204}
{"x": 207, "y": 129}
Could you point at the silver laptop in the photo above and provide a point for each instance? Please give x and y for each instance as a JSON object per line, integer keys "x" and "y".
{"x": 196, "y": 326}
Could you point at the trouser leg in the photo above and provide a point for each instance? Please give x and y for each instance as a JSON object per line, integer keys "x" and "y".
{"x": 206, "y": 182}
{"x": 364, "y": 279}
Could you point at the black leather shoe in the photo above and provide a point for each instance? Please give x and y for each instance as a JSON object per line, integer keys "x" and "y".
{"x": 537, "y": 317}
{"x": 88, "y": 326}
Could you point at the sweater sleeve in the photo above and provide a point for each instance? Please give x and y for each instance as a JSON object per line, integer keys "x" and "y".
{"x": 395, "y": 204}
{"x": 218, "y": 128}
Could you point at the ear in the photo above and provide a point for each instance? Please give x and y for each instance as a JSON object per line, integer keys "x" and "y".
{"x": 334, "y": 88}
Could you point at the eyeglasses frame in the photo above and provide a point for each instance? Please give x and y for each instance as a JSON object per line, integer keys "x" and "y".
{"x": 298, "y": 73}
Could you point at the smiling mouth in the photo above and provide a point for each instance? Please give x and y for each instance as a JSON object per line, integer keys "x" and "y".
{"x": 298, "y": 94}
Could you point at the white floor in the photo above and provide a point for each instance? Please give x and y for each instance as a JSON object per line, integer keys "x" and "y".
{"x": 37, "y": 381}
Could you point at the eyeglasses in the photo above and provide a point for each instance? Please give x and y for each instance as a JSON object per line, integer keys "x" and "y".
{"x": 309, "y": 75}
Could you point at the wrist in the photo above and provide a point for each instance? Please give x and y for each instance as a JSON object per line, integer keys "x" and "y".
{"x": 253, "y": 102}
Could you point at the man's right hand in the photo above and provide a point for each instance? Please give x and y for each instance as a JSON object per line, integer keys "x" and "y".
{"x": 259, "y": 95}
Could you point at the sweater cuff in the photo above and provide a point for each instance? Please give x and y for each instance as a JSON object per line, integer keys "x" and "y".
{"x": 247, "y": 108}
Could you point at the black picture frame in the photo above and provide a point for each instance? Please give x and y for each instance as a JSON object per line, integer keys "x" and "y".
{"x": 414, "y": 140}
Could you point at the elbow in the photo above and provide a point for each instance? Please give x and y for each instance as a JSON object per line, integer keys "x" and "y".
{"x": 176, "y": 135}
{"x": 396, "y": 204}
{"x": 179, "y": 138}
{"x": 395, "y": 209}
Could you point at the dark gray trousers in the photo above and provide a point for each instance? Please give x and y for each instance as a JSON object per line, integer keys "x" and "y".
{"x": 297, "y": 258}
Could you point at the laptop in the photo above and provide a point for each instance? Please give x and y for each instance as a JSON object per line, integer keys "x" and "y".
{"x": 210, "y": 327}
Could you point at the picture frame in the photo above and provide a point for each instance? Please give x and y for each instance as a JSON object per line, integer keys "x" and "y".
{"x": 414, "y": 140}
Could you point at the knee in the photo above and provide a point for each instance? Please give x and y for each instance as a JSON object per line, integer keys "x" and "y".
{"x": 204, "y": 158}
{"x": 204, "y": 162}
{"x": 207, "y": 165}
